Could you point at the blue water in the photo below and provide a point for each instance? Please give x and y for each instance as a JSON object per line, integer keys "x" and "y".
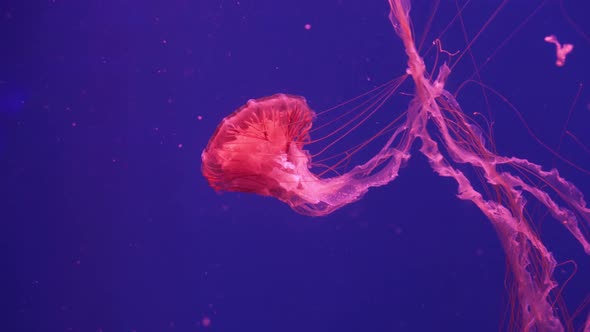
{"x": 108, "y": 225}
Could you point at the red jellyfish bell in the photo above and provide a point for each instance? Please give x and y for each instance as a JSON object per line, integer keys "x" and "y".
{"x": 259, "y": 149}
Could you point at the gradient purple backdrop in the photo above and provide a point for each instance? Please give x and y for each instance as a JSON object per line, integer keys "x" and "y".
{"x": 108, "y": 225}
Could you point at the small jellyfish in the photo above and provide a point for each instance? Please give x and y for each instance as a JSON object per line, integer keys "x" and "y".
{"x": 561, "y": 51}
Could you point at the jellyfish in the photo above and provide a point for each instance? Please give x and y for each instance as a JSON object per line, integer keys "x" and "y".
{"x": 260, "y": 148}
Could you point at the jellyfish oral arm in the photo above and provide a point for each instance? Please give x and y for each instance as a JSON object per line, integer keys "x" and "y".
{"x": 530, "y": 261}
{"x": 317, "y": 197}
{"x": 561, "y": 51}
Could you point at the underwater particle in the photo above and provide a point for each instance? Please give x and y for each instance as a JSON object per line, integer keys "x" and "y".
{"x": 206, "y": 321}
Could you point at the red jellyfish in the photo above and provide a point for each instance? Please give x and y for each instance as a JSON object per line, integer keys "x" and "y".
{"x": 260, "y": 149}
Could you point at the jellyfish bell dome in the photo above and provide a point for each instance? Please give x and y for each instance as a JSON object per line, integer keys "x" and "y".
{"x": 259, "y": 149}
